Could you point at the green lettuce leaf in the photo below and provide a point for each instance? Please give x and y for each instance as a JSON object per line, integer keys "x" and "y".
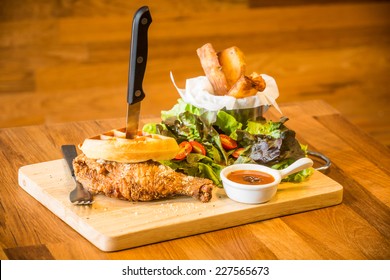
{"x": 269, "y": 128}
{"x": 180, "y": 107}
{"x": 227, "y": 124}
{"x": 199, "y": 166}
{"x": 154, "y": 128}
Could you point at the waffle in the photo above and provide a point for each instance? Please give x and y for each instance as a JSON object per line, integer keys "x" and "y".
{"x": 113, "y": 146}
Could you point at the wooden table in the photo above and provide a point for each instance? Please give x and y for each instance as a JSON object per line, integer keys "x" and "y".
{"x": 358, "y": 228}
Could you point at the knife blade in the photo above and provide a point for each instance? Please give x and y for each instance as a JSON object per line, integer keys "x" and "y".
{"x": 138, "y": 57}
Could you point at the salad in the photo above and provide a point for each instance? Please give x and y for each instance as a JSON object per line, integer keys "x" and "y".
{"x": 211, "y": 140}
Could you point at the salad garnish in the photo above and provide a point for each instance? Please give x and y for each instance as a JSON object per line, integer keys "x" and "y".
{"x": 211, "y": 140}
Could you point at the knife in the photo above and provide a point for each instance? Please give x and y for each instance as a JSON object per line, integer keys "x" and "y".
{"x": 138, "y": 57}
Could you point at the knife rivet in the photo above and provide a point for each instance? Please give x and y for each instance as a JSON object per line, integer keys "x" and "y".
{"x": 144, "y": 21}
{"x": 140, "y": 59}
{"x": 137, "y": 93}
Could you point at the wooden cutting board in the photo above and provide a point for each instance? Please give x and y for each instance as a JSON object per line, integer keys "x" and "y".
{"x": 112, "y": 224}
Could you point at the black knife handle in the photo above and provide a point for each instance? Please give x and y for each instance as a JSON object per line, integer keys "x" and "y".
{"x": 138, "y": 55}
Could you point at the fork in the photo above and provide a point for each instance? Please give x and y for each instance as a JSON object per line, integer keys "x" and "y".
{"x": 79, "y": 195}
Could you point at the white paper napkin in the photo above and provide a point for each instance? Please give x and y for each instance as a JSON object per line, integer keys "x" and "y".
{"x": 199, "y": 92}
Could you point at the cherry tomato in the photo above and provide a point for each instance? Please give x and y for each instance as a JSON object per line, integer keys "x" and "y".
{"x": 185, "y": 149}
{"x": 237, "y": 152}
{"x": 198, "y": 148}
{"x": 227, "y": 142}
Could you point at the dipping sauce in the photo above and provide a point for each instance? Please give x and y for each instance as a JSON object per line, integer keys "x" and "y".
{"x": 250, "y": 177}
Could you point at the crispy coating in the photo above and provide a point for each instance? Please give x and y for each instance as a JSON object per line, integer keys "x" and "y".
{"x": 144, "y": 181}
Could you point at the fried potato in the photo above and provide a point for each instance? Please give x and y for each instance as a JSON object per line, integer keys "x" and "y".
{"x": 212, "y": 68}
{"x": 226, "y": 72}
{"x": 242, "y": 88}
{"x": 247, "y": 86}
{"x": 257, "y": 81}
{"x": 233, "y": 64}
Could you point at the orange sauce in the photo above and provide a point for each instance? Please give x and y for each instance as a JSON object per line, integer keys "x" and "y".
{"x": 250, "y": 177}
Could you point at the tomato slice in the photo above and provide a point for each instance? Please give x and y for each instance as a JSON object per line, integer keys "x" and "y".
{"x": 198, "y": 147}
{"x": 238, "y": 152}
{"x": 227, "y": 142}
{"x": 185, "y": 149}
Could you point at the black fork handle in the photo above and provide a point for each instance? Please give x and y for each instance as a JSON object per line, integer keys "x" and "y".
{"x": 69, "y": 152}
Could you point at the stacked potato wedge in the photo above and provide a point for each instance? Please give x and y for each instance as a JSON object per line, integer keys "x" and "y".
{"x": 226, "y": 72}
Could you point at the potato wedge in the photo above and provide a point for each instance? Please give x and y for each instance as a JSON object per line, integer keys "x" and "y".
{"x": 257, "y": 81}
{"x": 212, "y": 68}
{"x": 247, "y": 86}
{"x": 242, "y": 88}
{"x": 233, "y": 64}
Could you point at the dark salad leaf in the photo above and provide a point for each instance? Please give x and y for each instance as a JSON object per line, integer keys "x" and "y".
{"x": 267, "y": 150}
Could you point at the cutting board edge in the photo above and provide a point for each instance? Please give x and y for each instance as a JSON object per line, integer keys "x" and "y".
{"x": 57, "y": 208}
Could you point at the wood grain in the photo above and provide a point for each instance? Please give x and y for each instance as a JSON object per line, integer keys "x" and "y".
{"x": 358, "y": 228}
{"x": 68, "y": 60}
{"x": 39, "y": 252}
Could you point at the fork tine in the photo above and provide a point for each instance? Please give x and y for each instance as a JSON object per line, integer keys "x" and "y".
{"x": 83, "y": 203}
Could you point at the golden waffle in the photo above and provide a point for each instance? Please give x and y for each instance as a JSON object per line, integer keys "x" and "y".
{"x": 113, "y": 146}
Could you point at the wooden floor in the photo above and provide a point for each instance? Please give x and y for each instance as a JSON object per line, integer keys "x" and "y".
{"x": 68, "y": 60}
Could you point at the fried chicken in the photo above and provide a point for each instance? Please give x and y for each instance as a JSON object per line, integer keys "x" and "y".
{"x": 143, "y": 181}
